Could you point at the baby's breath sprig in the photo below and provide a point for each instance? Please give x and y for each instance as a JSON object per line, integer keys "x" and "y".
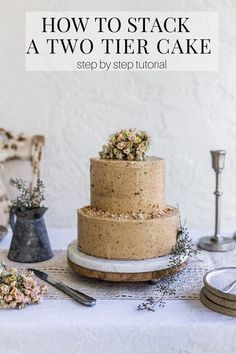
{"x": 165, "y": 287}
{"x": 29, "y": 197}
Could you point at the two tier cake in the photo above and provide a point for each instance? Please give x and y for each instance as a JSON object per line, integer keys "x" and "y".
{"x": 128, "y": 217}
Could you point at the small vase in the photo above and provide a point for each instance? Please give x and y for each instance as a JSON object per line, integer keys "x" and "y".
{"x": 30, "y": 242}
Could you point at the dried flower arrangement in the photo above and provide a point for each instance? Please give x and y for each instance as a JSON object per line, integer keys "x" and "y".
{"x": 164, "y": 287}
{"x": 29, "y": 197}
{"x": 127, "y": 144}
{"x": 19, "y": 289}
{"x": 30, "y": 241}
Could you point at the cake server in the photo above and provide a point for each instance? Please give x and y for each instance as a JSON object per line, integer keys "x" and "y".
{"x": 229, "y": 287}
{"x": 74, "y": 294}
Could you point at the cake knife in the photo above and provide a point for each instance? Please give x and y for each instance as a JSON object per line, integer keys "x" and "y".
{"x": 74, "y": 294}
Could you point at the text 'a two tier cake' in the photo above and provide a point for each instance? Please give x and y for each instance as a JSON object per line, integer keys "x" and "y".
{"x": 128, "y": 218}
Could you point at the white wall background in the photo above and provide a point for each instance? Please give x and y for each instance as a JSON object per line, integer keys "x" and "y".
{"x": 187, "y": 114}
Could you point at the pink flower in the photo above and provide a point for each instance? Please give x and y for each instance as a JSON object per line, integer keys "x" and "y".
{"x": 27, "y": 292}
{"x": 29, "y": 283}
{"x": 131, "y": 137}
{"x": 35, "y": 291}
{"x": 121, "y": 145}
{"x": 8, "y": 298}
{"x": 26, "y": 300}
{"x": 19, "y": 297}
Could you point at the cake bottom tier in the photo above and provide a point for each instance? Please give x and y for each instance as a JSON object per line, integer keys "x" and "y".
{"x": 127, "y": 238}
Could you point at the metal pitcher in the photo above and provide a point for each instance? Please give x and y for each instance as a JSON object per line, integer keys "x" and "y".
{"x": 30, "y": 242}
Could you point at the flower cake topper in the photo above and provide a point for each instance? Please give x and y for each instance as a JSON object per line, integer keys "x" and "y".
{"x": 127, "y": 144}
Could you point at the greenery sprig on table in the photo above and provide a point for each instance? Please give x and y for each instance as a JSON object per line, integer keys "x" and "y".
{"x": 127, "y": 144}
{"x": 184, "y": 247}
{"x": 29, "y": 197}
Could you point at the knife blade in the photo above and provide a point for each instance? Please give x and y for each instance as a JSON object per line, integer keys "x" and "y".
{"x": 74, "y": 294}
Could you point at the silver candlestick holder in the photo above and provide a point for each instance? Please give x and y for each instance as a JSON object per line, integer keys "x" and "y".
{"x": 217, "y": 243}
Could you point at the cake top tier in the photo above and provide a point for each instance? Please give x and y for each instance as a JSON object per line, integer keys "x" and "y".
{"x": 127, "y": 144}
{"x": 128, "y": 186}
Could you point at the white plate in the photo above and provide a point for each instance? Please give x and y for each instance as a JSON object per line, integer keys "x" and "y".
{"x": 117, "y": 266}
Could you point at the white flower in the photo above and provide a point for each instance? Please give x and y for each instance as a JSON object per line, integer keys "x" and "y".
{"x": 13, "y": 304}
{"x": 4, "y": 289}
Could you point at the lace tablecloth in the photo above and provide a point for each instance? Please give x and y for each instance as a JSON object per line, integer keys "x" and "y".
{"x": 187, "y": 283}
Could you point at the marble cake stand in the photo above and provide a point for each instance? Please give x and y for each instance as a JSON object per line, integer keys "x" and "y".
{"x": 119, "y": 270}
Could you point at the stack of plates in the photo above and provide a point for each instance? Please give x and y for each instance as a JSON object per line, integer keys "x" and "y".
{"x": 214, "y": 294}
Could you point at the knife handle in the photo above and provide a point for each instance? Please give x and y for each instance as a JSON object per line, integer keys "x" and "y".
{"x": 76, "y": 295}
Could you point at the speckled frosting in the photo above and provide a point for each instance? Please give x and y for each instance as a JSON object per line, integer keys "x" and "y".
{"x": 128, "y": 217}
{"x": 128, "y": 186}
{"x": 115, "y": 237}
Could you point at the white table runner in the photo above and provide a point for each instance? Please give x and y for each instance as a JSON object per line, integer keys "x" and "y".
{"x": 187, "y": 283}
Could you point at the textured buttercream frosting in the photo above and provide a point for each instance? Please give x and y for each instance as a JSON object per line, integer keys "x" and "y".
{"x": 117, "y": 237}
{"x": 128, "y": 186}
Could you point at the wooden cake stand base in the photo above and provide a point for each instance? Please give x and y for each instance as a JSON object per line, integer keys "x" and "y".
{"x": 119, "y": 270}
{"x": 122, "y": 277}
